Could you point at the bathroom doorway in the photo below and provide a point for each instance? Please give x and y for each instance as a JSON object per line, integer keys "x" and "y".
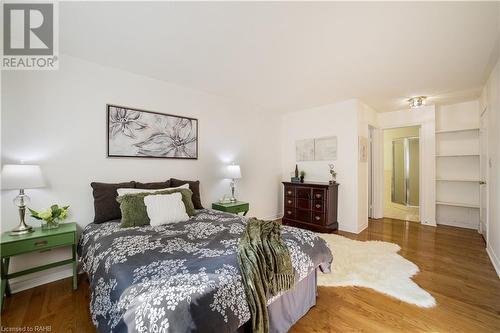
{"x": 401, "y": 173}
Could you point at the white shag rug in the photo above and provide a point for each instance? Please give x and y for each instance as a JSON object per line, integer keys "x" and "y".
{"x": 375, "y": 265}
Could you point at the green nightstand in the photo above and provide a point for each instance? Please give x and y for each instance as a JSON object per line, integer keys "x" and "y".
{"x": 232, "y": 207}
{"x": 39, "y": 240}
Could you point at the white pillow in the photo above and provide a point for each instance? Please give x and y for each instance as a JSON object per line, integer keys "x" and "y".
{"x": 165, "y": 208}
{"x": 123, "y": 191}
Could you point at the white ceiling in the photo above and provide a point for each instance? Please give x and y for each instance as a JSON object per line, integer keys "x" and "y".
{"x": 291, "y": 56}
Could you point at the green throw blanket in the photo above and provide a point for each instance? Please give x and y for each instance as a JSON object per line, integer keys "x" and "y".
{"x": 265, "y": 266}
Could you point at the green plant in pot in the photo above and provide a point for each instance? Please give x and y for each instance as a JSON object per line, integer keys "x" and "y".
{"x": 302, "y": 175}
{"x": 51, "y": 216}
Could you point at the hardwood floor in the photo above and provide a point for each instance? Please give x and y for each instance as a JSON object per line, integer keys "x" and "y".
{"x": 455, "y": 269}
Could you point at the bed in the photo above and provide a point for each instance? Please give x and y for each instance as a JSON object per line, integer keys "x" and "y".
{"x": 184, "y": 277}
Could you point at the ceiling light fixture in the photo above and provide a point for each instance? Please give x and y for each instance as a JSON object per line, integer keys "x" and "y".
{"x": 416, "y": 102}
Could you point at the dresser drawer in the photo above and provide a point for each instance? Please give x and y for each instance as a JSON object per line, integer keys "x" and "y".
{"x": 37, "y": 244}
{"x": 318, "y": 206}
{"x": 303, "y": 215}
{"x": 318, "y": 194}
{"x": 289, "y": 191}
{"x": 318, "y": 218}
{"x": 303, "y": 203}
{"x": 290, "y": 202}
{"x": 289, "y": 213}
{"x": 303, "y": 192}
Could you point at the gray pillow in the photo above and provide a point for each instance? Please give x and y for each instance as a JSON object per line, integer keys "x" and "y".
{"x": 105, "y": 206}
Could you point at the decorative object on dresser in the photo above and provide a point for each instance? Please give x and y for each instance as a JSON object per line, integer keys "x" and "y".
{"x": 333, "y": 173}
{"x": 37, "y": 241}
{"x": 311, "y": 206}
{"x": 21, "y": 177}
{"x": 295, "y": 178}
{"x": 302, "y": 176}
{"x": 232, "y": 172}
{"x": 140, "y": 133}
{"x": 232, "y": 207}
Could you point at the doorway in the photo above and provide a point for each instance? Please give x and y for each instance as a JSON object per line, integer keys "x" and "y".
{"x": 402, "y": 173}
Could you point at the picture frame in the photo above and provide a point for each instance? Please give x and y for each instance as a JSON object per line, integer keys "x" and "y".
{"x": 133, "y": 132}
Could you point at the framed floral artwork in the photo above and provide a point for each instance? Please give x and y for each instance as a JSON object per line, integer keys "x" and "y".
{"x": 139, "y": 133}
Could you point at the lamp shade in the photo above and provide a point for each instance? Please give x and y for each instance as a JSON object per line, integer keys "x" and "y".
{"x": 21, "y": 176}
{"x": 232, "y": 172}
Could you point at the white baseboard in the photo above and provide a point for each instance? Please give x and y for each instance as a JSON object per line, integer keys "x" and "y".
{"x": 20, "y": 285}
{"x": 363, "y": 227}
{"x": 459, "y": 225}
{"x": 494, "y": 259}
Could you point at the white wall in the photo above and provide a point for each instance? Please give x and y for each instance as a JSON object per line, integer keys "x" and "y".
{"x": 491, "y": 100}
{"x": 58, "y": 119}
{"x": 425, "y": 118}
{"x": 341, "y": 120}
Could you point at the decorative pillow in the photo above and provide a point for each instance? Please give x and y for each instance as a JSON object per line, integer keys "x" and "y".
{"x": 105, "y": 206}
{"x": 194, "y": 186}
{"x": 123, "y": 191}
{"x": 153, "y": 186}
{"x": 165, "y": 208}
{"x": 134, "y": 212}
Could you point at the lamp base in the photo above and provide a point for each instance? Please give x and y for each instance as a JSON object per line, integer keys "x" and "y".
{"x": 233, "y": 200}
{"x": 21, "y": 229}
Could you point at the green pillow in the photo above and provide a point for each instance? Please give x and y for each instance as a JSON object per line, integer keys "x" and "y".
{"x": 134, "y": 213}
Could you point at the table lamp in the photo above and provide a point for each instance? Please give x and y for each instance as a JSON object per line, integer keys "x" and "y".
{"x": 21, "y": 177}
{"x": 232, "y": 172}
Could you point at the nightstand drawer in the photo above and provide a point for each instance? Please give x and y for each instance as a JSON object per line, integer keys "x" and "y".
{"x": 37, "y": 244}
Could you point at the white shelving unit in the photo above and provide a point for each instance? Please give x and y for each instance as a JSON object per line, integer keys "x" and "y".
{"x": 456, "y": 204}
{"x": 457, "y": 165}
{"x": 457, "y": 130}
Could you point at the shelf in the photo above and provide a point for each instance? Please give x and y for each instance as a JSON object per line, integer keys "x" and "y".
{"x": 457, "y": 130}
{"x": 456, "y": 204}
{"x": 457, "y": 180}
{"x": 457, "y": 155}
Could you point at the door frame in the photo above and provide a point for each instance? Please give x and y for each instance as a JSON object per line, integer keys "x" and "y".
{"x": 484, "y": 112}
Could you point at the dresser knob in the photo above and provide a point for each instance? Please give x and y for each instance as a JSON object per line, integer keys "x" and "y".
{"x": 289, "y": 201}
{"x": 318, "y": 195}
{"x": 289, "y": 212}
{"x": 318, "y": 206}
{"x": 317, "y": 218}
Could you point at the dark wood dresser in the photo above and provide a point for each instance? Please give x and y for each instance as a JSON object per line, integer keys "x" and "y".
{"x": 311, "y": 206}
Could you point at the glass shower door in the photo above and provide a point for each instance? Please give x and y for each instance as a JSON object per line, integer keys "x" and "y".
{"x": 398, "y": 172}
{"x": 405, "y": 171}
{"x": 413, "y": 172}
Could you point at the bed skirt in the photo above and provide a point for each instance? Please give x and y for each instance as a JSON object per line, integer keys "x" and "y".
{"x": 285, "y": 311}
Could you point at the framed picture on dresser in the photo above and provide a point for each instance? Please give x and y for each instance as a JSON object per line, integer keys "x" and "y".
{"x": 139, "y": 133}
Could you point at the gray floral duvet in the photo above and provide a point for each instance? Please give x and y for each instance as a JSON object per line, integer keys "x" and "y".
{"x": 181, "y": 277}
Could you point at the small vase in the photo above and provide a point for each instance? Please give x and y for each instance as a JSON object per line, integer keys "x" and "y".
{"x": 51, "y": 224}
{"x": 302, "y": 179}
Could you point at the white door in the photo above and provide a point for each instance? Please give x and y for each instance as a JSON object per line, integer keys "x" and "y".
{"x": 483, "y": 161}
